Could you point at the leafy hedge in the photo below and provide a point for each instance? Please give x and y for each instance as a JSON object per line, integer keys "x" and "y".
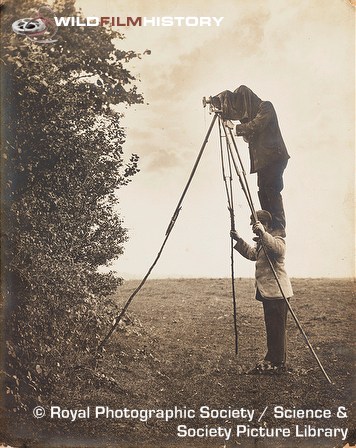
{"x": 63, "y": 163}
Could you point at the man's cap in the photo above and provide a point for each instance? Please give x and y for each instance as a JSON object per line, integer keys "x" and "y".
{"x": 263, "y": 216}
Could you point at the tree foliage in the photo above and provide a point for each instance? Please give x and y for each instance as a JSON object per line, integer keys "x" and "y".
{"x": 62, "y": 163}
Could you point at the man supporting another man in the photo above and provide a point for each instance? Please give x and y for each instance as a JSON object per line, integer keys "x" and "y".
{"x": 267, "y": 290}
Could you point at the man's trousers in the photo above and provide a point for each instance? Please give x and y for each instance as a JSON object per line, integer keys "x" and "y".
{"x": 275, "y": 312}
{"x": 270, "y": 185}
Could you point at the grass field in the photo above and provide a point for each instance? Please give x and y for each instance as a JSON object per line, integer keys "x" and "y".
{"x": 177, "y": 349}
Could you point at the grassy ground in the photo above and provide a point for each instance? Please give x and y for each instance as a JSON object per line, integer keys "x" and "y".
{"x": 177, "y": 349}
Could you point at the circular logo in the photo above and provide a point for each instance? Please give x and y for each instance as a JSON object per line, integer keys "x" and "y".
{"x": 39, "y": 29}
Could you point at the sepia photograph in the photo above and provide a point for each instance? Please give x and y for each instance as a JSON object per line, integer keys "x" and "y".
{"x": 178, "y": 224}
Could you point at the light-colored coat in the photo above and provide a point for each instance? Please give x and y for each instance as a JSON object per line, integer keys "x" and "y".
{"x": 265, "y": 280}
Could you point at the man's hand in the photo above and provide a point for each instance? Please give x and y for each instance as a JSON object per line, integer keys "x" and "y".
{"x": 234, "y": 235}
{"x": 229, "y": 124}
{"x": 258, "y": 228}
{"x": 240, "y": 130}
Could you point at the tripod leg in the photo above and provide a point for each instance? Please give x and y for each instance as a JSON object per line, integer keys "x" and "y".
{"x": 169, "y": 229}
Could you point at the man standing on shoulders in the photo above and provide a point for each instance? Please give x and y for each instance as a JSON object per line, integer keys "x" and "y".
{"x": 267, "y": 290}
{"x": 268, "y": 153}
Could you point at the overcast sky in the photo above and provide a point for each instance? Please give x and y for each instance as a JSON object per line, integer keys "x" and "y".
{"x": 299, "y": 54}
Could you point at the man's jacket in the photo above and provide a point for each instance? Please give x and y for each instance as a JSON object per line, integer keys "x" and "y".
{"x": 259, "y": 126}
{"x": 265, "y": 280}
